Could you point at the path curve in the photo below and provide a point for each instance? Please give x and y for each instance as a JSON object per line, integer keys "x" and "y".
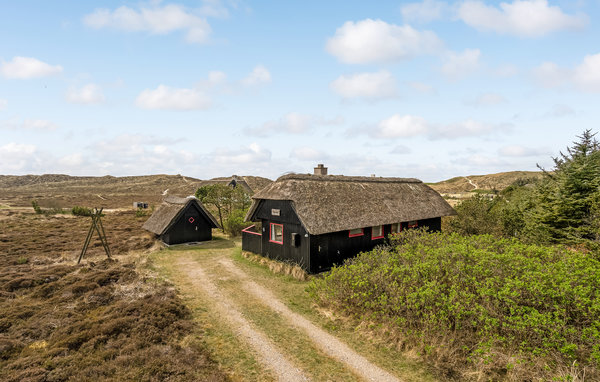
{"x": 471, "y": 183}
{"x": 266, "y": 352}
{"x": 328, "y": 343}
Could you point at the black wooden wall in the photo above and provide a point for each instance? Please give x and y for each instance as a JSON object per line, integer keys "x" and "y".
{"x": 184, "y": 231}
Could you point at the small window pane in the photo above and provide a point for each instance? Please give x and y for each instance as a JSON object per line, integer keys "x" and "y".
{"x": 396, "y": 227}
{"x": 277, "y": 233}
{"x": 355, "y": 232}
{"x": 377, "y": 231}
{"x": 413, "y": 224}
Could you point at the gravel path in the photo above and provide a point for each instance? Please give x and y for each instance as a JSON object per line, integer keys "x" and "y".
{"x": 266, "y": 352}
{"x": 328, "y": 343}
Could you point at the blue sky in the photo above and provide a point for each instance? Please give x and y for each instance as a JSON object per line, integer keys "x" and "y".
{"x": 427, "y": 89}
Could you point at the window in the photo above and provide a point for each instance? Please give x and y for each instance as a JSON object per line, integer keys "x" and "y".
{"x": 396, "y": 228}
{"x": 356, "y": 232}
{"x": 377, "y": 232}
{"x": 413, "y": 224}
{"x": 276, "y": 233}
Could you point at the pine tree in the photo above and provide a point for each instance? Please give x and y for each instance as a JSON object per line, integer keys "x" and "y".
{"x": 567, "y": 202}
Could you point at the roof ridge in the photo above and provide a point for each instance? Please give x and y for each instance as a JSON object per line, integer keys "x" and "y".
{"x": 344, "y": 178}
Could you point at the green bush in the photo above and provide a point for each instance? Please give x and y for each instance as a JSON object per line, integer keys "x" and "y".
{"x": 234, "y": 224}
{"x": 491, "y": 299}
{"x": 36, "y": 207}
{"x": 81, "y": 211}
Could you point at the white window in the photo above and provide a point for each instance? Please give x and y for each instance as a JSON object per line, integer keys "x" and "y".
{"x": 276, "y": 233}
{"x": 396, "y": 228}
{"x": 355, "y": 232}
{"x": 377, "y": 232}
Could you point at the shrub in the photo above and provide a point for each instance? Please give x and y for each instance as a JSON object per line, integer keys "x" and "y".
{"x": 81, "y": 211}
{"x": 234, "y": 224}
{"x": 36, "y": 207}
{"x": 492, "y": 301}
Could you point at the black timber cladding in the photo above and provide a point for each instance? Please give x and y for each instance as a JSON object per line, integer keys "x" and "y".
{"x": 314, "y": 253}
{"x": 190, "y": 225}
{"x": 282, "y": 212}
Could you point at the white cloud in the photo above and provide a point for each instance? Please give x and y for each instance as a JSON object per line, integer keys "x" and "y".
{"x": 292, "y": 123}
{"x": 405, "y": 126}
{"x": 584, "y": 77}
{"x": 366, "y": 85}
{"x": 560, "y": 110}
{"x": 242, "y": 155}
{"x": 398, "y": 126}
{"x": 522, "y": 151}
{"x": 259, "y": 75}
{"x": 486, "y": 99}
{"x": 550, "y": 75}
{"x": 16, "y": 158}
{"x": 28, "y": 67}
{"x": 155, "y": 19}
{"x": 422, "y": 87}
{"x": 28, "y": 124}
{"x": 523, "y": 18}
{"x": 458, "y": 65}
{"x": 372, "y": 41}
{"x": 216, "y": 77}
{"x": 424, "y": 11}
{"x": 308, "y": 154}
{"x": 401, "y": 150}
{"x": 166, "y": 98}
{"x": 3, "y": 104}
{"x": 88, "y": 94}
{"x": 587, "y": 75}
{"x": 505, "y": 71}
{"x": 467, "y": 128}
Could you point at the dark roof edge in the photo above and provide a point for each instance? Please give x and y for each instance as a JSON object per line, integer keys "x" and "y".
{"x": 343, "y": 178}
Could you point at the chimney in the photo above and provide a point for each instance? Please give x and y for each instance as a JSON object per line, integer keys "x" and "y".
{"x": 320, "y": 169}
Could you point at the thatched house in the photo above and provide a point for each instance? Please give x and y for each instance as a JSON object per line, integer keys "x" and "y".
{"x": 181, "y": 220}
{"x": 319, "y": 220}
{"x": 251, "y": 184}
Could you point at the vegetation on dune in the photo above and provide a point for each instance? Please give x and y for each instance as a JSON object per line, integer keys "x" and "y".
{"x": 563, "y": 207}
{"x": 496, "y": 307}
{"x": 93, "y": 322}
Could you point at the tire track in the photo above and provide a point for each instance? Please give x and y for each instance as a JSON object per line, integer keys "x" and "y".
{"x": 325, "y": 341}
{"x": 266, "y": 352}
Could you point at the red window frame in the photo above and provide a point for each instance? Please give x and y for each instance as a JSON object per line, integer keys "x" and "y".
{"x": 362, "y": 232}
{"x": 271, "y": 233}
{"x": 392, "y": 228}
{"x": 377, "y": 237}
{"x": 414, "y": 225}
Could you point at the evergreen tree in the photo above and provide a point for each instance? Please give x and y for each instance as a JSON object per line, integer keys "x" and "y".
{"x": 567, "y": 201}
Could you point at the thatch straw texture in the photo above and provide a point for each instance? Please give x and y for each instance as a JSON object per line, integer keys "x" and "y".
{"x": 170, "y": 210}
{"x": 332, "y": 203}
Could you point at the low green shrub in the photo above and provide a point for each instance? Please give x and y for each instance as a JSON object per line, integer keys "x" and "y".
{"x": 496, "y": 303}
{"x": 235, "y": 223}
{"x": 81, "y": 211}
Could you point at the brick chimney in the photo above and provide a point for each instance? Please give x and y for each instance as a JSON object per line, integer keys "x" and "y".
{"x": 320, "y": 169}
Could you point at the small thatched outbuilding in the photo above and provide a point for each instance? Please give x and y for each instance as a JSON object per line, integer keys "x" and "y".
{"x": 181, "y": 220}
{"x": 319, "y": 220}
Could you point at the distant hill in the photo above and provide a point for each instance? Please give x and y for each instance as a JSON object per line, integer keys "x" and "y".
{"x": 65, "y": 191}
{"x": 462, "y": 187}
{"x": 497, "y": 181}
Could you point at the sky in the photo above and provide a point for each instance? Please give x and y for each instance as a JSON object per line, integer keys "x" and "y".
{"x": 428, "y": 89}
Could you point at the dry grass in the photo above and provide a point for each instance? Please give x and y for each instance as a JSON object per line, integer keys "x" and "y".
{"x": 100, "y": 320}
{"x": 279, "y": 267}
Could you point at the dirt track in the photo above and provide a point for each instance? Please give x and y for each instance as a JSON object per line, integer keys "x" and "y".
{"x": 206, "y": 272}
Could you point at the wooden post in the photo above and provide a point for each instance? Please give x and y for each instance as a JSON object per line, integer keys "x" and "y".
{"x": 99, "y": 228}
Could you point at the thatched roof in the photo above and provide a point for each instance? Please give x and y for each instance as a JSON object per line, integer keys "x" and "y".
{"x": 331, "y": 203}
{"x": 170, "y": 210}
{"x": 251, "y": 184}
